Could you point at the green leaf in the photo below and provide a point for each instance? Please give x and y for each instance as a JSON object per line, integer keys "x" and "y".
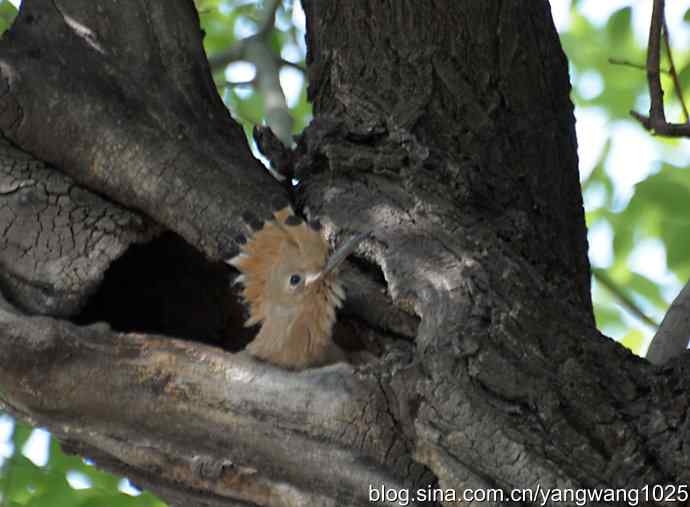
{"x": 684, "y": 74}
{"x": 634, "y": 341}
{"x": 26, "y": 484}
{"x": 7, "y": 14}
{"x": 618, "y": 26}
{"x": 588, "y": 48}
{"x": 23, "y": 479}
{"x": 109, "y": 499}
{"x": 55, "y": 491}
{"x": 21, "y": 434}
{"x": 664, "y": 192}
{"x": 676, "y": 238}
{"x": 660, "y": 207}
{"x": 623, "y": 240}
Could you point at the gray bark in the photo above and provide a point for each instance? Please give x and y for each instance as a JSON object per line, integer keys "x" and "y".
{"x": 671, "y": 339}
{"x": 444, "y": 128}
{"x": 57, "y": 238}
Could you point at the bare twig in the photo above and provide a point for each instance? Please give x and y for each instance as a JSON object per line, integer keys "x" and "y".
{"x": 232, "y": 54}
{"x": 656, "y": 92}
{"x": 625, "y": 300}
{"x": 656, "y": 121}
{"x": 628, "y": 63}
{"x": 237, "y": 84}
{"x": 288, "y": 63}
{"x": 674, "y": 74}
{"x": 239, "y": 52}
{"x": 666, "y": 129}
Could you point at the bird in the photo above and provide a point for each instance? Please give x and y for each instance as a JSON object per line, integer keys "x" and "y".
{"x": 291, "y": 288}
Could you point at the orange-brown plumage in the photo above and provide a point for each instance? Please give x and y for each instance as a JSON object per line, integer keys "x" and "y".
{"x": 291, "y": 288}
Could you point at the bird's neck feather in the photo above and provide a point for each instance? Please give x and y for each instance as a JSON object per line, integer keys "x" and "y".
{"x": 299, "y": 337}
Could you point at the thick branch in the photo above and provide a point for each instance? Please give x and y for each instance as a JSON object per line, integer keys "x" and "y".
{"x": 671, "y": 339}
{"x": 155, "y": 137}
{"x": 56, "y": 238}
{"x": 172, "y": 412}
{"x": 456, "y": 147}
{"x": 479, "y": 228}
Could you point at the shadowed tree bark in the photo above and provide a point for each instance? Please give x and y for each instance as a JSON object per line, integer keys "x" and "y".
{"x": 445, "y": 128}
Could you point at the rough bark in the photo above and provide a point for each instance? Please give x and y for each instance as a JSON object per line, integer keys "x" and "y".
{"x": 446, "y": 129}
{"x": 124, "y": 103}
{"x": 57, "y": 239}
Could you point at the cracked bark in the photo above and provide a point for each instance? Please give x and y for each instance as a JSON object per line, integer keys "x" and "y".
{"x": 56, "y": 239}
{"x": 455, "y": 145}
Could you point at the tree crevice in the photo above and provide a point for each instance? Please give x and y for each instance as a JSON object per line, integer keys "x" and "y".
{"x": 168, "y": 287}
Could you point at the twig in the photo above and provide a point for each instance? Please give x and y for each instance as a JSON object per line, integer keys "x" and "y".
{"x": 674, "y": 74}
{"x": 288, "y": 63}
{"x": 656, "y": 121}
{"x": 237, "y": 84}
{"x": 622, "y": 297}
{"x": 628, "y": 63}
{"x": 656, "y": 92}
{"x": 232, "y": 54}
{"x": 665, "y": 129}
{"x": 239, "y": 52}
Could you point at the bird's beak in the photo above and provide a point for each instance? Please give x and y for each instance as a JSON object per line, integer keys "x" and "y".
{"x": 338, "y": 256}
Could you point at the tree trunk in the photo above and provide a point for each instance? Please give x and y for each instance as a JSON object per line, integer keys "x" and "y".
{"x": 445, "y": 128}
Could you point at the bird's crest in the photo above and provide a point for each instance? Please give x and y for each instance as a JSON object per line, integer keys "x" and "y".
{"x": 286, "y": 239}
{"x": 291, "y": 289}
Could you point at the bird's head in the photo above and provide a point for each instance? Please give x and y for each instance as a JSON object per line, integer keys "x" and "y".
{"x": 289, "y": 277}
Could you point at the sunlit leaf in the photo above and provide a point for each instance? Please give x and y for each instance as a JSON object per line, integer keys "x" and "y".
{"x": 7, "y": 14}
{"x": 634, "y": 341}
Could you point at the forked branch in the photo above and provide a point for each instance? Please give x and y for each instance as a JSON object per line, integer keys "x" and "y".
{"x": 656, "y": 121}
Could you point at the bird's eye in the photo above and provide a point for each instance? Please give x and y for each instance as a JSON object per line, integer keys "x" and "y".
{"x": 295, "y": 279}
